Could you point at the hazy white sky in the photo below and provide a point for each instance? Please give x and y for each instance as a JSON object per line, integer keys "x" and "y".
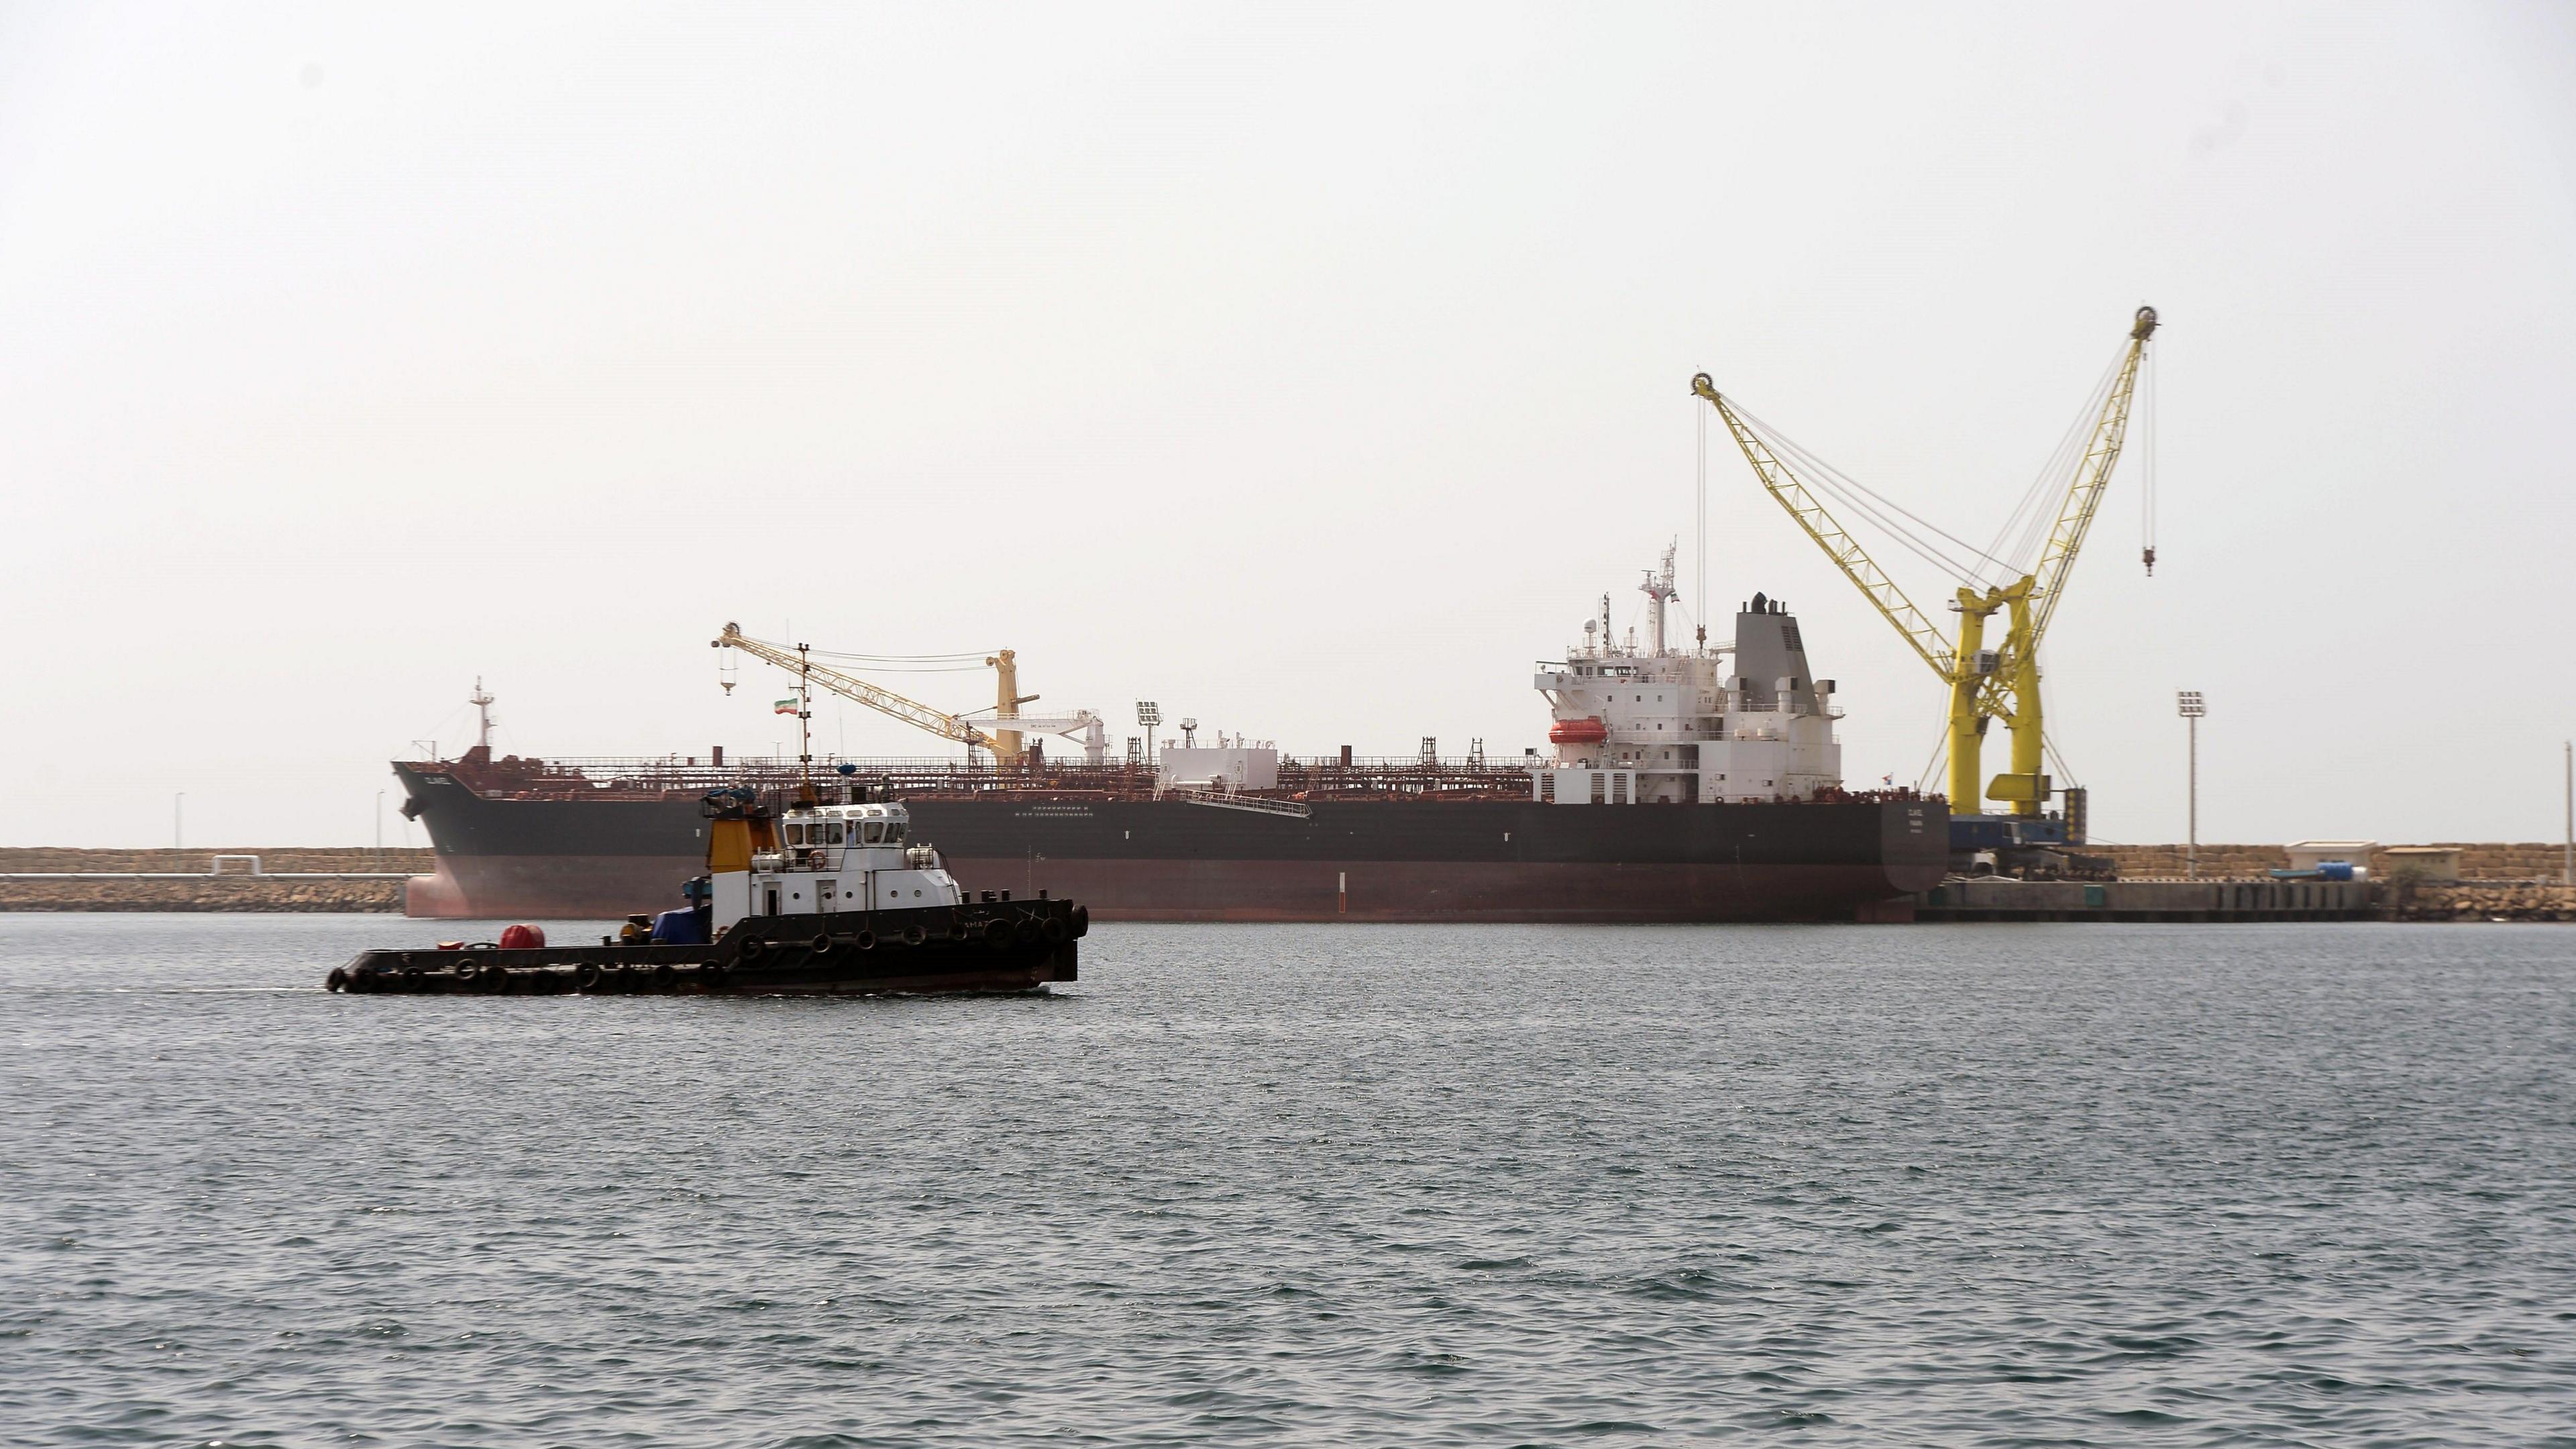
{"x": 1310, "y": 372}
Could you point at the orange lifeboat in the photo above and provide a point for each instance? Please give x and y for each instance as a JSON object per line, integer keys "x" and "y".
{"x": 1577, "y": 732}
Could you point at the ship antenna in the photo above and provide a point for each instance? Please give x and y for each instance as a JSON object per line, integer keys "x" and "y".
{"x": 482, "y": 702}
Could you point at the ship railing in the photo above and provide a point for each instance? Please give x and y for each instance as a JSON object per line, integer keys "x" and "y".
{"x": 1258, "y": 804}
{"x": 600, "y": 777}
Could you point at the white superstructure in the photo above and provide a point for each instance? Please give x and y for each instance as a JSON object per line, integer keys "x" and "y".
{"x": 1641, "y": 724}
{"x": 836, "y": 858}
{"x": 1231, "y": 764}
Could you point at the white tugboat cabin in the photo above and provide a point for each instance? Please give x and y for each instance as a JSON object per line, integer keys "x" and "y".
{"x": 834, "y": 858}
{"x": 1740, "y": 721}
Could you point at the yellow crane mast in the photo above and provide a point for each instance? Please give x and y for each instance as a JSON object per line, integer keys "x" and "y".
{"x": 1985, "y": 684}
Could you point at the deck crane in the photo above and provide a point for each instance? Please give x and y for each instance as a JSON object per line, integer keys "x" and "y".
{"x": 1005, "y": 744}
{"x": 1985, "y": 684}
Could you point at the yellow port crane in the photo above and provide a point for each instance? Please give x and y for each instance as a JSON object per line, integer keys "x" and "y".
{"x": 1004, "y": 741}
{"x": 1985, "y": 684}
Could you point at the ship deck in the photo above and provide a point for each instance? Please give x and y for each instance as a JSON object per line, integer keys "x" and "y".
{"x": 688, "y": 777}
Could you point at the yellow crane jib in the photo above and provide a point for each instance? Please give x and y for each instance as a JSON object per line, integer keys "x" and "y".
{"x": 1829, "y": 535}
{"x": 883, "y": 701}
{"x": 1984, "y": 684}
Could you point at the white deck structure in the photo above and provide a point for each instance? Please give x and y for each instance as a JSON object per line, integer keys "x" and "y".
{"x": 837, "y": 858}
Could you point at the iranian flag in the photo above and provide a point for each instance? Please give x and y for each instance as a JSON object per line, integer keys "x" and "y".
{"x": 784, "y": 706}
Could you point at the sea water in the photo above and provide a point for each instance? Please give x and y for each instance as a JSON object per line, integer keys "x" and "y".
{"x": 1952, "y": 1184}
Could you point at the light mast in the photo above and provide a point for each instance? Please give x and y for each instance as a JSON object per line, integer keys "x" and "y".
{"x": 482, "y": 702}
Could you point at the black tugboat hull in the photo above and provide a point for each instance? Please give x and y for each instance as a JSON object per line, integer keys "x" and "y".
{"x": 974, "y": 948}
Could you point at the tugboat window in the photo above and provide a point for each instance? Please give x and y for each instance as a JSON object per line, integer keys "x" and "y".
{"x": 795, "y": 834}
{"x": 834, "y": 831}
{"x": 875, "y": 832}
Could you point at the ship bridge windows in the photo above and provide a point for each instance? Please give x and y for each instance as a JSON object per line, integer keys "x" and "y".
{"x": 832, "y": 833}
{"x": 874, "y": 831}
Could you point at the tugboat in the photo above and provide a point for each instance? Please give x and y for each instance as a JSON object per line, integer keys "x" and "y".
{"x": 822, "y": 899}
{"x": 818, "y": 898}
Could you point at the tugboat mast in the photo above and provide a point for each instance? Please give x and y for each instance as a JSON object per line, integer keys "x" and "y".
{"x": 804, "y": 720}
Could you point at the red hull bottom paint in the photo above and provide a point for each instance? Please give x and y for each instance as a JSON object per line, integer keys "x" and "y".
{"x": 612, "y": 887}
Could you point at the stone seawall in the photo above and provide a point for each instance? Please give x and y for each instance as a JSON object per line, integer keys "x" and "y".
{"x": 2404, "y": 900}
{"x": 2478, "y": 860}
{"x": 166, "y": 880}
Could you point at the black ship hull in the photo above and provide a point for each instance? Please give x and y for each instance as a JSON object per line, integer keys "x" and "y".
{"x": 1171, "y": 859}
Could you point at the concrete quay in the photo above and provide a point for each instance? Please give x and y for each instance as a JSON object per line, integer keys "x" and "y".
{"x": 1995, "y": 898}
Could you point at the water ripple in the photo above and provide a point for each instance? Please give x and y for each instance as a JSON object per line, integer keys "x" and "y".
{"x": 1958, "y": 1185}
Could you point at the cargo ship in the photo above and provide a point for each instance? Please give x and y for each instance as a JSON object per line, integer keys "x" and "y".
{"x": 1691, "y": 781}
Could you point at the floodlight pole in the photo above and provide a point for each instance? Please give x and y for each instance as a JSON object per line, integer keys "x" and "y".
{"x": 1149, "y": 713}
{"x": 2189, "y": 704}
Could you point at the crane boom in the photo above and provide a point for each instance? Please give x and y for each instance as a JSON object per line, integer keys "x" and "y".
{"x": 883, "y": 701}
{"x": 2092, "y": 477}
{"x": 1837, "y": 542}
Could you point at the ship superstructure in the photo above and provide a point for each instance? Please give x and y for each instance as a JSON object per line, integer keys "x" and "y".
{"x": 1651, "y": 723}
{"x": 827, "y": 858}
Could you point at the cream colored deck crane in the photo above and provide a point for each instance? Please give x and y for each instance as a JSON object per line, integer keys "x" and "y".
{"x": 1985, "y": 684}
{"x": 1004, "y": 743}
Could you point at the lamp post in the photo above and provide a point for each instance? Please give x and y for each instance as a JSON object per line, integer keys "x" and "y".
{"x": 2188, "y": 703}
{"x": 1149, "y": 714}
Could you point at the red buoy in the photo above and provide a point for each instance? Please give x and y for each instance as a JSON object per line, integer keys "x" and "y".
{"x": 522, "y": 938}
{"x": 1578, "y": 732}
